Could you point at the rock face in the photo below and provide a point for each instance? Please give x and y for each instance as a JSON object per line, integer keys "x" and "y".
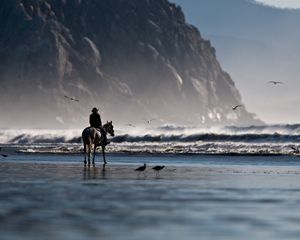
{"x": 134, "y": 59}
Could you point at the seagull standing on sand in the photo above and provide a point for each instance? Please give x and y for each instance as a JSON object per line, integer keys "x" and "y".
{"x": 275, "y": 82}
{"x": 157, "y": 169}
{"x": 236, "y": 107}
{"x": 141, "y": 168}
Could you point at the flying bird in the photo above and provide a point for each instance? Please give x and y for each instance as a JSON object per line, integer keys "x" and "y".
{"x": 130, "y": 125}
{"x": 149, "y": 120}
{"x": 275, "y": 82}
{"x": 157, "y": 169}
{"x": 296, "y": 150}
{"x": 236, "y": 107}
{"x": 71, "y": 98}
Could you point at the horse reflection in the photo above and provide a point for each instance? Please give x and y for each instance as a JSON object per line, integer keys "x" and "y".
{"x": 90, "y": 173}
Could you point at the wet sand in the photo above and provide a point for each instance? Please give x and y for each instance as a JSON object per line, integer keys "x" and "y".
{"x": 63, "y": 200}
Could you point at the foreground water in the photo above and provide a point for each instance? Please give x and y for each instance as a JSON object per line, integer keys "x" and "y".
{"x": 194, "y": 197}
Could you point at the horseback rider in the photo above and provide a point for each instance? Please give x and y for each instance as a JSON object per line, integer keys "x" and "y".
{"x": 95, "y": 121}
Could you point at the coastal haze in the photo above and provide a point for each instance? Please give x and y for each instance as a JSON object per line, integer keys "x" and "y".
{"x": 256, "y": 42}
{"x": 135, "y": 60}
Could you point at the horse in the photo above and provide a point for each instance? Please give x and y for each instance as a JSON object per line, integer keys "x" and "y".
{"x": 92, "y": 138}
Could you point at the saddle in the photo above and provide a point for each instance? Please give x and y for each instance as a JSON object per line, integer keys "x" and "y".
{"x": 101, "y": 135}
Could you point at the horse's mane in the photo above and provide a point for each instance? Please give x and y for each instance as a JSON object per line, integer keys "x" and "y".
{"x": 107, "y": 124}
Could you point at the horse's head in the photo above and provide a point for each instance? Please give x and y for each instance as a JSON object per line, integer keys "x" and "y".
{"x": 109, "y": 127}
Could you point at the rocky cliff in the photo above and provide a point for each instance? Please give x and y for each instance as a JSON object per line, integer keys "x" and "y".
{"x": 134, "y": 59}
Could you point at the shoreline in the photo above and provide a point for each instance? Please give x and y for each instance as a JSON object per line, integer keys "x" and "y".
{"x": 15, "y": 151}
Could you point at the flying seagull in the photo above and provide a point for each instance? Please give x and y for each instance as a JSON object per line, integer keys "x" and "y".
{"x": 275, "y": 82}
{"x": 157, "y": 169}
{"x": 236, "y": 107}
{"x": 130, "y": 125}
{"x": 149, "y": 120}
{"x": 296, "y": 150}
{"x": 71, "y": 98}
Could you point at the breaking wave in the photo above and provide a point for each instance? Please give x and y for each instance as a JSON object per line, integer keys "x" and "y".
{"x": 209, "y": 137}
{"x": 268, "y": 139}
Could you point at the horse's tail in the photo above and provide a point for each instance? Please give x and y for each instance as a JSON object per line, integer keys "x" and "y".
{"x": 86, "y": 135}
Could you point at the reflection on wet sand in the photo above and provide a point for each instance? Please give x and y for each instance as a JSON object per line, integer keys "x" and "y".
{"x": 94, "y": 172}
{"x": 68, "y": 201}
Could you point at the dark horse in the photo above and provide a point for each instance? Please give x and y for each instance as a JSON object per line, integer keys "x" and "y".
{"x": 92, "y": 138}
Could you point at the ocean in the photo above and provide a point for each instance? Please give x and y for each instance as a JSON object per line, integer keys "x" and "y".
{"x": 166, "y": 139}
{"x": 219, "y": 183}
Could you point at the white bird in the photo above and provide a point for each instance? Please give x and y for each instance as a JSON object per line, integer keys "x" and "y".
{"x": 275, "y": 82}
{"x": 236, "y": 107}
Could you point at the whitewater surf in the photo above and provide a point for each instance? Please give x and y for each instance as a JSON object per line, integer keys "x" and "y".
{"x": 256, "y": 140}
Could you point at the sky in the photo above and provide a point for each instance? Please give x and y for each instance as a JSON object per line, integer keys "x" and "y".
{"x": 255, "y": 44}
{"x": 281, "y": 3}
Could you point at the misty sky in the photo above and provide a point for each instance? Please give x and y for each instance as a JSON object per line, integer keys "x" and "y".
{"x": 255, "y": 44}
{"x": 282, "y": 3}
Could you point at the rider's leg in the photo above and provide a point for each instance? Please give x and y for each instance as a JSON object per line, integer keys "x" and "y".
{"x": 103, "y": 133}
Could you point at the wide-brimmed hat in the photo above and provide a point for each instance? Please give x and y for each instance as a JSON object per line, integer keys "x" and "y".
{"x": 95, "y": 109}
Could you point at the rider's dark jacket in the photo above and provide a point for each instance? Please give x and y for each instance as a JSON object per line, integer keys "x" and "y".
{"x": 95, "y": 120}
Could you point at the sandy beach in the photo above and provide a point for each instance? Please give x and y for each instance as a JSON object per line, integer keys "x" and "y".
{"x": 60, "y": 199}
{"x": 203, "y": 91}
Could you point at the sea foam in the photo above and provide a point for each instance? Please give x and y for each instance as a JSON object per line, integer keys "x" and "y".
{"x": 267, "y": 139}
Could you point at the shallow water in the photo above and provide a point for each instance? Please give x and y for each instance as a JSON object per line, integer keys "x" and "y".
{"x": 195, "y": 197}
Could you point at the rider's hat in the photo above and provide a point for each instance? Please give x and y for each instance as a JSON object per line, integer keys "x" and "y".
{"x": 95, "y": 109}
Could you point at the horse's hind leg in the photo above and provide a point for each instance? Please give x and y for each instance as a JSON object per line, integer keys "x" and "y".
{"x": 89, "y": 154}
{"x": 94, "y": 154}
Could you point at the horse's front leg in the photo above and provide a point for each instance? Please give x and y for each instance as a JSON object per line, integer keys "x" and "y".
{"x": 94, "y": 154}
{"x": 103, "y": 153}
